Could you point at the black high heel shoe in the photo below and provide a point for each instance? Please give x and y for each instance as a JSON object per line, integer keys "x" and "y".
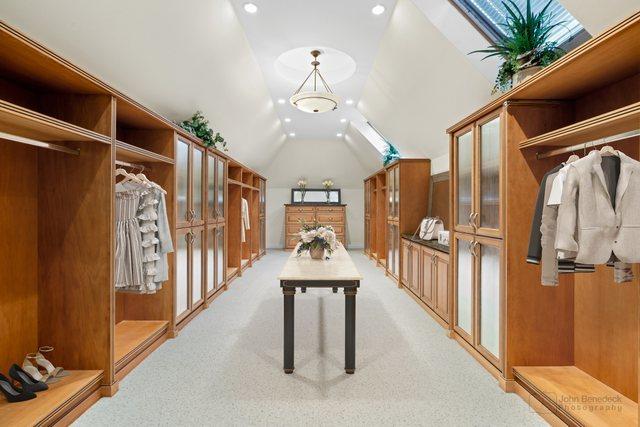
{"x": 11, "y": 393}
{"x": 26, "y": 381}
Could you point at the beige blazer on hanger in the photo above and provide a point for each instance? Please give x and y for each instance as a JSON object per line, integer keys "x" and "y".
{"x": 587, "y": 224}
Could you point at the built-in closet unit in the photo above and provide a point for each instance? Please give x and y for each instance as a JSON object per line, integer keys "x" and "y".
{"x": 561, "y": 346}
{"x": 245, "y": 246}
{"x": 396, "y": 200}
{"x": 62, "y": 135}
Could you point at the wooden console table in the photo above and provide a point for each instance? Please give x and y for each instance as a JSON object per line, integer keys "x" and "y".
{"x": 338, "y": 272}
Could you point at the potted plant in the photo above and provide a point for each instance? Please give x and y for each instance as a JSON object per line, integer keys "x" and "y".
{"x": 302, "y": 186}
{"x": 316, "y": 238}
{"x": 391, "y": 154}
{"x": 327, "y": 184}
{"x": 527, "y": 47}
{"x": 198, "y": 125}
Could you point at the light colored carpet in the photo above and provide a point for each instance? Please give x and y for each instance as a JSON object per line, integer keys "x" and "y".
{"x": 225, "y": 368}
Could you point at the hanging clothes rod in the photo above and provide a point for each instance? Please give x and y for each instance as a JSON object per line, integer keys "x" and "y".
{"x": 131, "y": 165}
{"x": 585, "y": 145}
{"x": 40, "y": 144}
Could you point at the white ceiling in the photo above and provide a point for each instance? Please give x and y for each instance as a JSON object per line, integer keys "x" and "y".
{"x": 282, "y": 25}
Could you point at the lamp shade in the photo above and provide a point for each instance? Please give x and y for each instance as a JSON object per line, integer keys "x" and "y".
{"x": 315, "y": 102}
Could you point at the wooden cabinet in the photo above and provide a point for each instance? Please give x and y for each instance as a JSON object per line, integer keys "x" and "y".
{"x": 190, "y": 182}
{"x": 396, "y": 199}
{"x": 190, "y": 273}
{"x": 216, "y": 260}
{"x": 333, "y": 215}
{"x": 216, "y": 188}
{"x": 216, "y": 196}
{"x": 478, "y": 294}
{"x": 477, "y": 185}
{"x": 425, "y": 272}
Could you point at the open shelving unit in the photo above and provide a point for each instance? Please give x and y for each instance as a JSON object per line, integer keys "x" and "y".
{"x": 564, "y": 389}
{"x": 51, "y": 407}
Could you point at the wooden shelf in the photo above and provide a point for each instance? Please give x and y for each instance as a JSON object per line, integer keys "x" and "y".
{"x": 610, "y": 57}
{"x": 241, "y": 184}
{"x": 131, "y": 153}
{"x": 132, "y": 337}
{"x": 563, "y": 388}
{"x": 52, "y": 404}
{"x": 231, "y": 272}
{"x": 611, "y": 123}
{"x": 31, "y": 124}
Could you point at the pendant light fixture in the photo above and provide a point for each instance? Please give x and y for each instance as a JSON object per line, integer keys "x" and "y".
{"x": 315, "y": 101}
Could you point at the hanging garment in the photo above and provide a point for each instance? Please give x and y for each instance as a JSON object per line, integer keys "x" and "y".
{"x": 534, "y": 254}
{"x": 165, "y": 244}
{"x": 148, "y": 216}
{"x": 595, "y": 224}
{"x": 245, "y": 219}
{"x": 128, "y": 256}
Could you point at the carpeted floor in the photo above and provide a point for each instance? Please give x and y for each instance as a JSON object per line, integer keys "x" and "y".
{"x": 225, "y": 367}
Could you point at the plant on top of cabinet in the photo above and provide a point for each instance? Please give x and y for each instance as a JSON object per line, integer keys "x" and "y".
{"x": 198, "y": 125}
{"x": 527, "y": 47}
{"x": 391, "y": 153}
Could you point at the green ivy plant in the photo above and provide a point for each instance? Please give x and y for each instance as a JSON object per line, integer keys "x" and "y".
{"x": 198, "y": 125}
{"x": 526, "y": 44}
{"x": 390, "y": 154}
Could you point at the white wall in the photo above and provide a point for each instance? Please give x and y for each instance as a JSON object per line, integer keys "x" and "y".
{"x": 421, "y": 83}
{"x": 598, "y": 15}
{"x": 175, "y": 57}
{"x": 316, "y": 160}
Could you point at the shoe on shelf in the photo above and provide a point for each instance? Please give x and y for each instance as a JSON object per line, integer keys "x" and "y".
{"x": 29, "y": 366}
{"x": 12, "y": 393}
{"x": 26, "y": 381}
{"x": 52, "y": 371}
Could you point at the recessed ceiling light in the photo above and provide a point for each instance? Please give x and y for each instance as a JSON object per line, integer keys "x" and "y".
{"x": 252, "y": 8}
{"x": 287, "y": 120}
{"x": 281, "y": 101}
{"x": 343, "y": 120}
{"x": 349, "y": 101}
{"x": 377, "y": 9}
{"x": 339, "y": 135}
{"x": 292, "y": 134}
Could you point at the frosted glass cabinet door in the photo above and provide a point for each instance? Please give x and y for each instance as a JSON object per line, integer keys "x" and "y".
{"x": 182, "y": 172}
{"x": 220, "y": 182}
{"x": 211, "y": 188}
{"x": 182, "y": 273}
{"x": 464, "y": 286}
{"x": 211, "y": 259}
{"x": 464, "y": 169}
{"x": 390, "y": 192}
{"x": 489, "y": 289}
{"x": 396, "y": 250}
{"x": 390, "y": 248}
{"x": 220, "y": 263}
{"x": 196, "y": 266}
{"x": 489, "y": 175}
{"x": 396, "y": 192}
{"x": 198, "y": 185}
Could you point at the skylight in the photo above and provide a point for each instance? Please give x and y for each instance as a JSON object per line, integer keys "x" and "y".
{"x": 489, "y": 15}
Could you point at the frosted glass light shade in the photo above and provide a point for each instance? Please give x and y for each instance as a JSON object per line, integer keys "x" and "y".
{"x": 315, "y": 102}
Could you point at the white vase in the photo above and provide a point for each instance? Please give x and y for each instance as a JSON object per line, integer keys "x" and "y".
{"x": 524, "y": 74}
{"x": 316, "y": 253}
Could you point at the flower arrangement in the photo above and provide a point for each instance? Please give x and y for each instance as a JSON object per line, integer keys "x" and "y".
{"x": 302, "y": 185}
{"x": 327, "y": 184}
{"x": 316, "y": 238}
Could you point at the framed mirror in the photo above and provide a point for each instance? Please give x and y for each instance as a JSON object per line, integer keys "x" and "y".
{"x": 316, "y": 195}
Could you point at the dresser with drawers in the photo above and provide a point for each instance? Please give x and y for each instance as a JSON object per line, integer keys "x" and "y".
{"x": 326, "y": 214}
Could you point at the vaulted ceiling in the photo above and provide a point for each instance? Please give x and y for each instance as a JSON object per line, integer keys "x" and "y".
{"x": 412, "y": 74}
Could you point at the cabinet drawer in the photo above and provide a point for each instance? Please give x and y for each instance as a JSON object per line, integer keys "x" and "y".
{"x": 292, "y": 209}
{"x": 293, "y": 229}
{"x": 331, "y": 209}
{"x": 291, "y": 241}
{"x": 296, "y": 217}
{"x": 329, "y": 217}
{"x": 338, "y": 229}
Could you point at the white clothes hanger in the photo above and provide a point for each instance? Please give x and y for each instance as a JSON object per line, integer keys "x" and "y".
{"x": 128, "y": 176}
{"x": 608, "y": 150}
{"x": 144, "y": 178}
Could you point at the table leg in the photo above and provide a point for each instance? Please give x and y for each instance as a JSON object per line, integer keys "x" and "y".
{"x": 289, "y": 294}
{"x": 350, "y": 330}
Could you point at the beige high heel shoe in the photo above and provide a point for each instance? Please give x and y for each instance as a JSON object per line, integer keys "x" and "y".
{"x": 31, "y": 369}
{"x": 52, "y": 371}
